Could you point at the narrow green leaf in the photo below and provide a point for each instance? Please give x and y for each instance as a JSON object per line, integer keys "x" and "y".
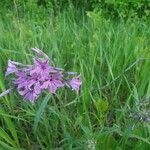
{"x": 11, "y": 127}
{"x": 6, "y": 137}
{"x": 5, "y": 146}
{"x": 39, "y": 113}
{"x": 140, "y": 138}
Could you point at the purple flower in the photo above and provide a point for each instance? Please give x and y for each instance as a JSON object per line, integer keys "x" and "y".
{"x": 22, "y": 80}
{"x": 30, "y": 80}
{"x": 22, "y": 90}
{"x": 31, "y": 95}
{"x": 35, "y": 82}
{"x": 75, "y": 83}
{"x": 28, "y": 86}
{"x": 11, "y": 67}
{"x": 53, "y": 83}
{"x": 41, "y": 68}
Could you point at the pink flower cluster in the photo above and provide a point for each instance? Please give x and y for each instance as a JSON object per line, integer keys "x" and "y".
{"x": 31, "y": 80}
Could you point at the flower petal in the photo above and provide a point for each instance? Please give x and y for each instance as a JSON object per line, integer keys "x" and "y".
{"x": 37, "y": 88}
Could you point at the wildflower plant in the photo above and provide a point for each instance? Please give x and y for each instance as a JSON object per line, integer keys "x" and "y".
{"x": 31, "y": 80}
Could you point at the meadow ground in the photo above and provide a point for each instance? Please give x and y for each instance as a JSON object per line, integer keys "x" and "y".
{"x": 111, "y": 110}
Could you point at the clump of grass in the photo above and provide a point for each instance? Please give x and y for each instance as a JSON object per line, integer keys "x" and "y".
{"x": 113, "y": 58}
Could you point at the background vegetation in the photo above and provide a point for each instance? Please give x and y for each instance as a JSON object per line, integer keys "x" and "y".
{"x": 109, "y": 8}
{"x": 108, "y": 43}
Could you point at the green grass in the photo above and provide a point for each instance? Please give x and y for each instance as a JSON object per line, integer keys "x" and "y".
{"x": 113, "y": 58}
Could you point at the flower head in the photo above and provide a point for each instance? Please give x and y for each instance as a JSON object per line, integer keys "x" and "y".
{"x": 35, "y": 82}
{"x": 11, "y": 68}
{"x": 41, "y": 68}
{"x": 53, "y": 83}
{"x": 31, "y": 80}
{"x": 75, "y": 83}
{"x": 31, "y": 95}
{"x": 27, "y": 85}
{"x": 22, "y": 79}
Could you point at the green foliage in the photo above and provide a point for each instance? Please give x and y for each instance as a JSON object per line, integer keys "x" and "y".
{"x": 109, "y": 8}
{"x": 123, "y": 8}
{"x": 113, "y": 58}
{"x": 102, "y": 105}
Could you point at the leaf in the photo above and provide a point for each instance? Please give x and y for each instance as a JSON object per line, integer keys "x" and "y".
{"x": 11, "y": 127}
{"x": 6, "y": 137}
{"x": 5, "y": 146}
{"x": 39, "y": 113}
{"x": 140, "y": 138}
